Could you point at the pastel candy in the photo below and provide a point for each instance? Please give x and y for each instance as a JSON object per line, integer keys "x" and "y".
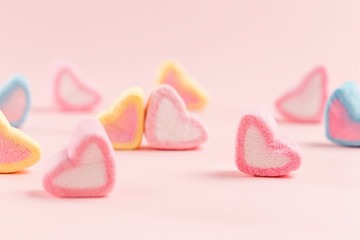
{"x": 18, "y": 151}
{"x": 15, "y": 100}
{"x": 342, "y": 115}
{"x": 306, "y": 102}
{"x": 260, "y": 151}
{"x": 193, "y": 95}
{"x": 168, "y": 125}
{"x": 71, "y": 92}
{"x": 86, "y": 168}
{"x": 124, "y": 121}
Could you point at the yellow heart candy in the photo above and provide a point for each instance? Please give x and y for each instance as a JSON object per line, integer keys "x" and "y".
{"x": 124, "y": 121}
{"x": 17, "y": 150}
{"x": 193, "y": 95}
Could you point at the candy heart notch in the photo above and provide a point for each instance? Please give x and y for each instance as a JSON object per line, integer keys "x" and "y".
{"x": 342, "y": 115}
{"x": 260, "y": 151}
{"x": 124, "y": 122}
{"x": 168, "y": 125}
{"x": 306, "y": 103}
{"x": 86, "y": 168}
{"x": 71, "y": 92}
{"x": 193, "y": 95}
{"x": 15, "y": 100}
{"x": 17, "y": 150}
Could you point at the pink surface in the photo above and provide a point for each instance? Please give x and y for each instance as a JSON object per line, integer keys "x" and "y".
{"x": 243, "y": 53}
{"x": 191, "y": 194}
{"x": 260, "y": 119}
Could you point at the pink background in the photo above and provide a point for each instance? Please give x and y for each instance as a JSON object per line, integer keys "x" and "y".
{"x": 242, "y": 52}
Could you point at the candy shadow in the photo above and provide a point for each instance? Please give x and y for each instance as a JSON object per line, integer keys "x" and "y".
{"x": 237, "y": 175}
{"x": 43, "y": 109}
{"x": 145, "y": 148}
{"x": 22, "y": 172}
{"x": 281, "y": 121}
{"x": 225, "y": 175}
{"x": 148, "y": 148}
{"x": 38, "y": 194}
{"x": 50, "y": 109}
{"x": 323, "y": 145}
{"x": 44, "y": 195}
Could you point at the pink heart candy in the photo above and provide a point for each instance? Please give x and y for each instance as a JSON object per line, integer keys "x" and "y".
{"x": 71, "y": 92}
{"x": 86, "y": 168}
{"x": 168, "y": 124}
{"x": 306, "y": 102}
{"x": 260, "y": 151}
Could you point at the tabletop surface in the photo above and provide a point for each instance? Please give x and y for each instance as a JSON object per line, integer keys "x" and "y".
{"x": 242, "y": 52}
{"x": 189, "y": 194}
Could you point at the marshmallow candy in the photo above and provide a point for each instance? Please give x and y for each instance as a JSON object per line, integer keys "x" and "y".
{"x": 260, "y": 151}
{"x": 168, "y": 124}
{"x": 17, "y": 150}
{"x": 15, "y": 100}
{"x": 342, "y": 115}
{"x": 71, "y": 92}
{"x": 193, "y": 95}
{"x": 124, "y": 121}
{"x": 86, "y": 168}
{"x": 306, "y": 102}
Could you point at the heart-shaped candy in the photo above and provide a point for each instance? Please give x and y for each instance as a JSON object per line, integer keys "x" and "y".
{"x": 15, "y": 100}
{"x": 17, "y": 150}
{"x": 168, "y": 125}
{"x": 342, "y": 115}
{"x": 306, "y": 102}
{"x": 260, "y": 151}
{"x": 71, "y": 92}
{"x": 86, "y": 168}
{"x": 124, "y": 122}
{"x": 192, "y": 94}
